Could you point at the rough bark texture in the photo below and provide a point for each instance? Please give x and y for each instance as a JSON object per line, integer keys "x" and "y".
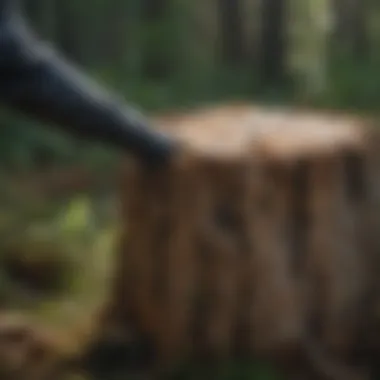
{"x": 261, "y": 239}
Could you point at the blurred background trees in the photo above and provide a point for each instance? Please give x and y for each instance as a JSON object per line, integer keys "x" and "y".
{"x": 166, "y": 53}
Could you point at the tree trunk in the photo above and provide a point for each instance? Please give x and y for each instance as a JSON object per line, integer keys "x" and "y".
{"x": 231, "y": 32}
{"x": 153, "y": 10}
{"x": 117, "y": 33}
{"x": 351, "y": 34}
{"x": 310, "y": 30}
{"x": 155, "y": 63}
{"x": 272, "y": 50}
{"x": 360, "y": 33}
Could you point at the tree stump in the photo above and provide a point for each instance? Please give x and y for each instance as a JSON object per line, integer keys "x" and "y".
{"x": 261, "y": 239}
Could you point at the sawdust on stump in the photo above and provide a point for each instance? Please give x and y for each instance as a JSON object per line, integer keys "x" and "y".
{"x": 259, "y": 239}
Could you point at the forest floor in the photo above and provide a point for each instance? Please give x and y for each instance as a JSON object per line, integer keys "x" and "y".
{"x": 74, "y": 235}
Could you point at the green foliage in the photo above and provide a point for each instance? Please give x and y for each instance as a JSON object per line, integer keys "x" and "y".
{"x": 354, "y": 86}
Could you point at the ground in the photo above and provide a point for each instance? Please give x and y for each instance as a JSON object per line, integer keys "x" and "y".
{"x": 72, "y": 238}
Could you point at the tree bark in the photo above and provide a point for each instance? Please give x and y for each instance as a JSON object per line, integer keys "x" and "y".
{"x": 155, "y": 63}
{"x": 351, "y": 34}
{"x": 231, "y": 31}
{"x": 272, "y": 49}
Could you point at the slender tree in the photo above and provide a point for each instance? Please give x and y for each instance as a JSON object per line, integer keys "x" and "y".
{"x": 273, "y": 44}
{"x": 231, "y": 31}
{"x": 351, "y": 32}
{"x": 311, "y": 28}
{"x": 155, "y": 64}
